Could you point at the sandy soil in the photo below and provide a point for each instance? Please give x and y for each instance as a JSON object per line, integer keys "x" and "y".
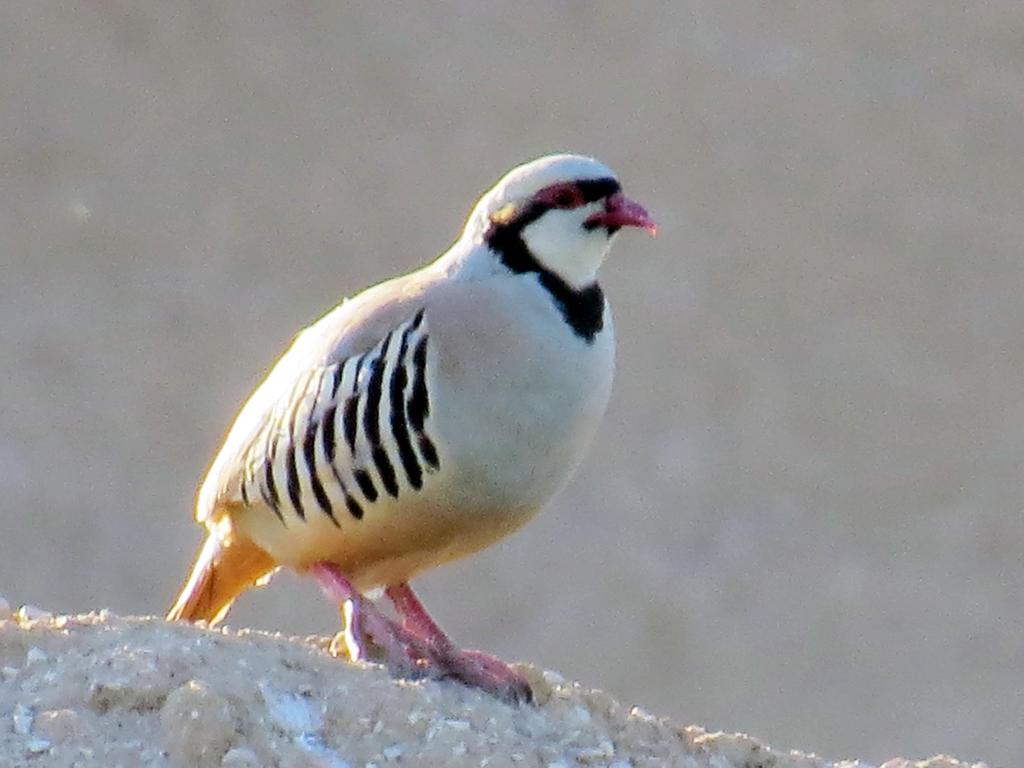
{"x": 102, "y": 690}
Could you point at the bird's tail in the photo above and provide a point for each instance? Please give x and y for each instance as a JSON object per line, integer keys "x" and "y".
{"x": 220, "y": 574}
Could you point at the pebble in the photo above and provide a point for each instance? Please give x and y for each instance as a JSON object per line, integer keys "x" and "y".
{"x": 289, "y": 711}
{"x": 599, "y": 754}
{"x": 37, "y": 746}
{"x": 60, "y": 725}
{"x": 22, "y": 717}
{"x": 33, "y": 613}
{"x": 36, "y": 656}
{"x": 198, "y": 726}
{"x": 553, "y": 678}
{"x": 240, "y": 757}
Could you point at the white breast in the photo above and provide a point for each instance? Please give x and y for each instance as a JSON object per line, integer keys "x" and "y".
{"x": 519, "y": 394}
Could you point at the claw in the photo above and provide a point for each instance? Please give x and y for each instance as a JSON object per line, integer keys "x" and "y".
{"x": 482, "y": 670}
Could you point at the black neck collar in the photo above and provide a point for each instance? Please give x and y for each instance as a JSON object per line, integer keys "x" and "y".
{"x": 582, "y": 308}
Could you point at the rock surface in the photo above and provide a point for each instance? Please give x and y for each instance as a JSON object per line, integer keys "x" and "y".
{"x": 101, "y": 690}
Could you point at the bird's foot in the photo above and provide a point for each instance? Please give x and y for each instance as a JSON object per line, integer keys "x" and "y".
{"x": 369, "y": 635}
{"x": 488, "y": 673}
{"x": 473, "y": 668}
{"x": 410, "y": 658}
{"x": 404, "y": 653}
{"x": 417, "y": 647}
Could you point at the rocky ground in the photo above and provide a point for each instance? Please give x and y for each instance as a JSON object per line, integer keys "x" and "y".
{"x": 102, "y": 690}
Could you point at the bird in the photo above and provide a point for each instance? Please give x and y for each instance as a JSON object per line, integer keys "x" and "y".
{"x": 424, "y": 419}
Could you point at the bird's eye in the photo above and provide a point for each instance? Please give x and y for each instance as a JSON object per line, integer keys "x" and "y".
{"x": 567, "y": 196}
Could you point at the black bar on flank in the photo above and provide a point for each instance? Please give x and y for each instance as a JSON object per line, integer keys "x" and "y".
{"x": 294, "y": 489}
{"x": 309, "y": 452}
{"x": 365, "y": 483}
{"x": 328, "y": 432}
{"x": 351, "y": 423}
{"x": 270, "y": 493}
{"x": 386, "y": 470}
{"x": 339, "y": 369}
{"x": 371, "y": 415}
{"x": 419, "y": 402}
{"x": 371, "y": 420}
{"x": 354, "y": 508}
{"x": 429, "y": 452}
{"x": 399, "y": 425}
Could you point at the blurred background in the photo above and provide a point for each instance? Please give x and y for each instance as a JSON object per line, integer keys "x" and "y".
{"x": 802, "y": 518}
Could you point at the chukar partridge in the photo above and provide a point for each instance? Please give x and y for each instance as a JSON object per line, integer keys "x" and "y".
{"x": 424, "y": 419}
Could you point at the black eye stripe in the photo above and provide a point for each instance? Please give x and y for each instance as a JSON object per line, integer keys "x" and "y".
{"x": 596, "y": 189}
{"x": 591, "y": 190}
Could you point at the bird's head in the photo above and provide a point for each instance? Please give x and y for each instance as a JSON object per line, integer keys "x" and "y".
{"x": 561, "y": 212}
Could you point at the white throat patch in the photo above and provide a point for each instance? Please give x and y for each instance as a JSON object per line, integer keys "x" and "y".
{"x": 560, "y": 243}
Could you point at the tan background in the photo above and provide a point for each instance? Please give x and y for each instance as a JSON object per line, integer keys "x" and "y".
{"x": 803, "y": 516}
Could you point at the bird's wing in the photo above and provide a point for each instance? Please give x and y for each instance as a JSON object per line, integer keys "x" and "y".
{"x": 339, "y": 418}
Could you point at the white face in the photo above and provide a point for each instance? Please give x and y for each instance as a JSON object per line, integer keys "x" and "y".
{"x": 559, "y": 241}
{"x": 558, "y": 238}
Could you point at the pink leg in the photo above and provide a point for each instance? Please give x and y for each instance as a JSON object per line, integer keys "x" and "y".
{"x": 474, "y": 668}
{"x": 405, "y": 653}
{"x": 416, "y": 617}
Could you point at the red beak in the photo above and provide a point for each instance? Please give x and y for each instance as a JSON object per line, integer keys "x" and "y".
{"x": 620, "y": 211}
